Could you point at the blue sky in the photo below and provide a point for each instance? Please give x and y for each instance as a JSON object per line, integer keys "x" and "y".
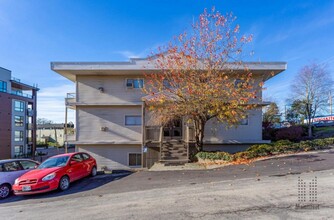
{"x": 34, "y": 33}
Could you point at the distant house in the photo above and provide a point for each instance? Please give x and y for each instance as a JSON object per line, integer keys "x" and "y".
{"x": 113, "y": 123}
{"x": 54, "y": 133}
{"x": 18, "y": 103}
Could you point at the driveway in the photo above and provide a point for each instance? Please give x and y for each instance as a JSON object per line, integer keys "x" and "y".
{"x": 263, "y": 189}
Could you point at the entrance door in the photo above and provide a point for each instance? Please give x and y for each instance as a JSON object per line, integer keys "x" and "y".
{"x": 173, "y": 130}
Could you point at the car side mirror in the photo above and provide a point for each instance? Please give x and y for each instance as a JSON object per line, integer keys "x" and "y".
{"x": 72, "y": 162}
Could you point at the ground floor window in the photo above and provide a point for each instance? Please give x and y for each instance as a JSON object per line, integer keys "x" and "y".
{"x": 18, "y": 150}
{"x": 134, "y": 159}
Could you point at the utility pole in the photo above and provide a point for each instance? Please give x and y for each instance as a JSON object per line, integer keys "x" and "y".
{"x": 65, "y": 130}
{"x": 330, "y": 102}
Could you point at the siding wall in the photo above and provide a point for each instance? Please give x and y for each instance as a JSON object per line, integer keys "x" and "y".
{"x": 113, "y": 157}
{"x": 91, "y": 119}
{"x": 243, "y": 133}
{"x": 114, "y": 87}
{"x": 5, "y": 125}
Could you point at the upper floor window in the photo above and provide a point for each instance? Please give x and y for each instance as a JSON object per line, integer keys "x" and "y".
{"x": 18, "y": 136}
{"x": 3, "y": 86}
{"x": 134, "y": 120}
{"x": 166, "y": 84}
{"x": 19, "y": 106}
{"x": 18, "y": 120}
{"x": 134, "y": 83}
{"x": 244, "y": 121}
{"x": 239, "y": 83}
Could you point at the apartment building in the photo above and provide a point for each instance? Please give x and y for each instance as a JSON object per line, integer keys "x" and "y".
{"x": 17, "y": 116}
{"x": 113, "y": 123}
{"x": 54, "y": 133}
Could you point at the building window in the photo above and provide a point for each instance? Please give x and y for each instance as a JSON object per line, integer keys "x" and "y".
{"x": 19, "y": 106}
{"x": 18, "y": 136}
{"x": 244, "y": 121}
{"x": 134, "y": 83}
{"x": 134, "y": 120}
{"x": 18, "y": 150}
{"x": 19, "y": 121}
{"x": 134, "y": 159}
{"x": 239, "y": 83}
{"x": 3, "y": 86}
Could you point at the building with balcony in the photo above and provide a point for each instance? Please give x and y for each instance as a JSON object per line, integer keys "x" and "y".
{"x": 17, "y": 116}
{"x": 113, "y": 124}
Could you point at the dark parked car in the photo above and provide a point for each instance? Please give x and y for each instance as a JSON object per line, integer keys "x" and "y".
{"x": 10, "y": 170}
{"x": 323, "y": 124}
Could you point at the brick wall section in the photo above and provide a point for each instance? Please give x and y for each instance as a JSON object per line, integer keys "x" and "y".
{"x": 5, "y": 125}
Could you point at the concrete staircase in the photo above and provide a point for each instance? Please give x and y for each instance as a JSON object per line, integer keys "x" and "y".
{"x": 174, "y": 152}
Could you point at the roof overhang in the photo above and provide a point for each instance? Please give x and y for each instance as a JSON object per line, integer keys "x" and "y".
{"x": 140, "y": 66}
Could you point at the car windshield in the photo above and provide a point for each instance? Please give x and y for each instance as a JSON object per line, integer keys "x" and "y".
{"x": 54, "y": 162}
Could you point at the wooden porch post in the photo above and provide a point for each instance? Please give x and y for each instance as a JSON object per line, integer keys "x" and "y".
{"x": 161, "y": 140}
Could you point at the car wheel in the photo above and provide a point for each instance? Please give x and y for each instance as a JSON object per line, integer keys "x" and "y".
{"x": 93, "y": 172}
{"x": 4, "y": 191}
{"x": 64, "y": 183}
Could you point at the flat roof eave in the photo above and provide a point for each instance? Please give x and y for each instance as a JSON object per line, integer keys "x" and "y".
{"x": 71, "y": 69}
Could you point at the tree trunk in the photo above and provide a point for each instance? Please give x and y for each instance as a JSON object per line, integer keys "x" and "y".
{"x": 309, "y": 130}
{"x": 199, "y": 133}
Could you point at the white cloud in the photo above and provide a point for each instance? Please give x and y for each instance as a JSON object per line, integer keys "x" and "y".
{"x": 130, "y": 54}
{"x": 51, "y": 103}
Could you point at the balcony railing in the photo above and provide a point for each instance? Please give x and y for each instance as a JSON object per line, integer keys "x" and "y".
{"x": 152, "y": 133}
{"x": 70, "y": 98}
{"x": 30, "y": 126}
{"x": 30, "y": 112}
{"x": 29, "y": 140}
{"x": 20, "y": 93}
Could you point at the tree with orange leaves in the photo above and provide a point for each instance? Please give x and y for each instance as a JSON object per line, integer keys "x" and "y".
{"x": 202, "y": 76}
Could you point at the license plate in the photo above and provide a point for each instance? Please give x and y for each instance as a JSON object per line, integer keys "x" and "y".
{"x": 26, "y": 188}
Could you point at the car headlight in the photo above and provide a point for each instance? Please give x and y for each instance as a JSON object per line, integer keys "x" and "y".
{"x": 16, "y": 181}
{"x": 49, "y": 177}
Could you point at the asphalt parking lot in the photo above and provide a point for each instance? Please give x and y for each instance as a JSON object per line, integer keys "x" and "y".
{"x": 262, "y": 190}
{"x": 146, "y": 180}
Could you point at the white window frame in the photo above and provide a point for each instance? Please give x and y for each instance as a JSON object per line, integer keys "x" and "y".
{"x": 20, "y": 139}
{"x": 141, "y": 158}
{"x": 19, "y": 124}
{"x": 133, "y": 124}
{"x": 22, "y": 104}
{"x": 132, "y": 87}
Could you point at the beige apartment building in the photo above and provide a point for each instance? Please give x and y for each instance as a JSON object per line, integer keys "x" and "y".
{"x": 113, "y": 125}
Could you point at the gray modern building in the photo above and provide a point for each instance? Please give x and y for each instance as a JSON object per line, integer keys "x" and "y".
{"x": 17, "y": 116}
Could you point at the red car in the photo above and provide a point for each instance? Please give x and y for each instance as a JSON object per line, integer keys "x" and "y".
{"x": 57, "y": 172}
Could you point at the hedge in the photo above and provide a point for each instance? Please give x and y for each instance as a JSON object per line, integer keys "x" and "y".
{"x": 279, "y": 147}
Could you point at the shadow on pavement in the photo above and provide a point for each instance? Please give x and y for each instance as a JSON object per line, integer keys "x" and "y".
{"x": 84, "y": 185}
